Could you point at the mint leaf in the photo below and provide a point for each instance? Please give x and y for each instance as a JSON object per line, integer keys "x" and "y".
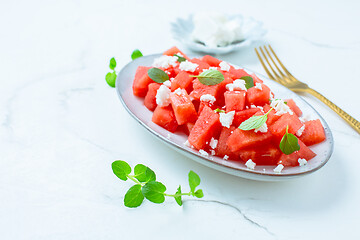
{"x": 289, "y": 143}
{"x": 144, "y": 173}
{"x": 178, "y": 198}
{"x": 112, "y": 64}
{"x": 133, "y": 197}
{"x": 158, "y": 75}
{"x": 154, "y": 191}
{"x": 210, "y": 77}
{"x": 136, "y": 54}
{"x": 218, "y": 110}
{"x": 194, "y": 181}
{"x": 199, "y": 193}
{"x": 121, "y": 169}
{"x": 111, "y": 78}
{"x": 180, "y": 59}
{"x": 249, "y": 81}
{"x": 254, "y": 122}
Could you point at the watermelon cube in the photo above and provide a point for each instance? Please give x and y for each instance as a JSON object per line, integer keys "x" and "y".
{"x": 202, "y": 65}
{"x": 314, "y": 132}
{"x": 241, "y": 139}
{"x": 258, "y": 97}
{"x": 222, "y": 148}
{"x": 183, "y": 107}
{"x": 165, "y": 117}
{"x": 213, "y": 62}
{"x": 141, "y": 81}
{"x": 235, "y": 100}
{"x": 292, "y": 159}
{"x": 174, "y": 50}
{"x": 200, "y": 89}
{"x": 292, "y": 105}
{"x": 278, "y": 128}
{"x": 244, "y": 115}
{"x": 238, "y": 73}
{"x": 182, "y": 80}
{"x": 150, "y": 98}
{"x": 267, "y": 154}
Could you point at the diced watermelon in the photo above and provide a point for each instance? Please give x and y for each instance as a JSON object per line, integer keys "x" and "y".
{"x": 150, "y": 98}
{"x": 256, "y": 79}
{"x": 174, "y": 50}
{"x": 278, "y": 128}
{"x": 203, "y": 104}
{"x": 238, "y": 73}
{"x": 222, "y": 148}
{"x": 213, "y": 62}
{"x": 241, "y": 139}
{"x": 182, "y": 80}
{"x": 244, "y": 115}
{"x": 314, "y": 132}
{"x": 141, "y": 81}
{"x": 202, "y": 65}
{"x": 292, "y": 159}
{"x": 262, "y": 155}
{"x": 200, "y": 89}
{"x": 292, "y": 105}
{"x": 271, "y": 117}
{"x": 258, "y": 97}
{"x": 165, "y": 117}
{"x": 206, "y": 127}
{"x": 183, "y": 107}
{"x": 235, "y": 100}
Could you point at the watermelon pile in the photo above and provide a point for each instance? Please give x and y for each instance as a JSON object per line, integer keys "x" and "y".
{"x": 211, "y": 115}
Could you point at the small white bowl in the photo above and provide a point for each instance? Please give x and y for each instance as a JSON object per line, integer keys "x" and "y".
{"x": 182, "y": 29}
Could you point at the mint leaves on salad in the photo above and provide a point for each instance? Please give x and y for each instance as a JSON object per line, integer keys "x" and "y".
{"x": 249, "y": 81}
{"x": 180, "y": 58}
{"x": 289, "y": 143}
{"x": 210, "y": 77}
{"x": 111, "y": 76}
{"x": 136, "y": 54}
{"x": 147, "y": 187}
{"x": 158, "y": 75}
{"x": 254, "y": 122}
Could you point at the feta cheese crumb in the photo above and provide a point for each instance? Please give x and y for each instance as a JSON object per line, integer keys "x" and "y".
{"x": 204, "y": 153}
{"x": 226, "y": 119}
{"x": 250, "y": 164}
{"x": 258, "y": 86}
{"x": 168, "y": 136}
{"x": 213, "y": 143}
{"x": 212, "y": 152}
{"x": 224, "y": 66}
{"x": 302, "y": 161}
{"x": 300, "y": 131}
{"x": 187, "y": 144}
{"x": 167, "y": 83}
{"x": 281, "y": 107}
{"x": 226, "y": 157}
{"x": 163, "y": 96}
{"x": 238, "y": 84}
{"x": 179, "y": 54}
{"x": 279, "y": 168}
{"x": 213, "y": 68}
{"x": 179, "y": 91}
{"x": 208, "y": 98}
{"x": 165, "y": 61}
{"x": 188, "y": 66}
{"x": 172, "y": 79}
{"x": 263, "y": 128}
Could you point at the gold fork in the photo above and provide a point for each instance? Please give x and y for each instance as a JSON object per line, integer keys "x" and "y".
{"x": 285, "y": 78}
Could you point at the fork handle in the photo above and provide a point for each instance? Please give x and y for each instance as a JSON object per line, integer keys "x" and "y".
{"x": 349, "y": 119}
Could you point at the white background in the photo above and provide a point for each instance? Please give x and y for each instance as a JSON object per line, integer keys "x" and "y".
{"x": 61, "y": 126}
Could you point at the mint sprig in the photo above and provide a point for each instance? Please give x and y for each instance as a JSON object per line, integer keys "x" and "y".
{"x": 218, "y": 110}
{"x": 158, "y": 75}
{"x": 111, "y": 76}
{"x": 147, "y": 187}
{"x": 249, "y": 81}
{"x": 210, "y": 77}
{"x": 289, "y": 143}
{"x": 254, "y": 122}
{"x": 180, "y": 58}
{"x": 136, "y": 54}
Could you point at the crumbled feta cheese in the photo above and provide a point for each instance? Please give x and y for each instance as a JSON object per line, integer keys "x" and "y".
{"x": 253, "y": 106}
{"x": 187, "y": 144}
{"x": 302, "y": 161}
{"x": 263, "y": 128}
{"x": 204, "y": 153}
{"x": 172, "y": 79}
{"x": 281, "y": 107}
{"x": 168, "y": 136}
{"x": 188, "y": 66}
{"x": 163, "y": 96}
{"x": 258, "y": 86}
{"x": 236, "y": 85}
{"x": 300, "y": 131}
{"x": 226, "y": 119}
{"x": 213, "y": 68}
{"x": 165, "y": 61}
{"x": 208, "y": 98}
{"x": 224, "y": 66}
{"x": 179, "y": 54}
{"x": 279, "y": 168}
{"x": 226, "y": 157}
{"x": 167, "y": 83}
{"x": 213, "y": 143}
{"x": 250, "y": 164}
{"x": 179, "y": 91}
{"x": 212, "y": 152}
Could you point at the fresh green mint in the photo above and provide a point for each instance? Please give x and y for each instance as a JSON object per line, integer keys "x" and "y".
{"x": 180, "y": 58}
{"x": 218, "y": 110}
{"x": 254, "y": 122}
{"x": 147, "y": 187}
{"x": 289, "y": 143}
{"x": 111, "y": 76}
{"x": 210, "y": 77}
{"x": 158, "y": 75}
{"x": 136, "y": 54}
{"x": 249, "y": 81}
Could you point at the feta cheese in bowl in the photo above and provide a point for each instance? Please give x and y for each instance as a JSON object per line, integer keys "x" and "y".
{"x": 216, "y": 33}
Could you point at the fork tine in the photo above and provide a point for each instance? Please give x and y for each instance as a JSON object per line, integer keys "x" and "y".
{"x": 276, "y": 65}
{"x": 282, "y": 65}
{"x": 264, "y": 66}
{"x": 267, "y": 60}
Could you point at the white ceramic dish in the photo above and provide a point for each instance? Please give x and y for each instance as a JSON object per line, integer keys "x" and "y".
{"x": 134, "y": 105}
{"x": 181, "y": 29}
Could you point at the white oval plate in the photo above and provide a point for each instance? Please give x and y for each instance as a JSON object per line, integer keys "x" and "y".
{"x": 135, "y": 106}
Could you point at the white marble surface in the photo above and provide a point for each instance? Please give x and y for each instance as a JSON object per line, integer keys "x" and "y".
{"x": 61, "y": 126}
